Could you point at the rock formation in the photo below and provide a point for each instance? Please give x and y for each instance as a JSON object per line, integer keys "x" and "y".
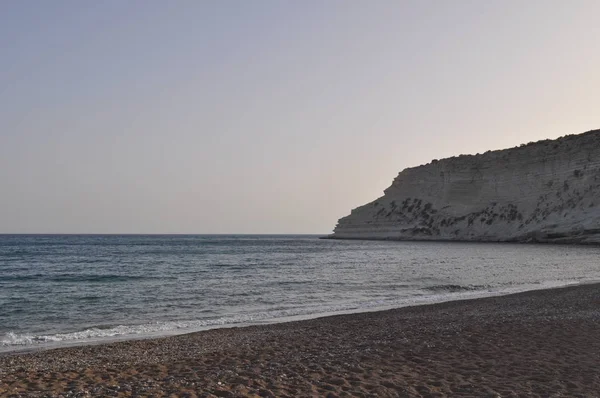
{"x": 547, "y": 191}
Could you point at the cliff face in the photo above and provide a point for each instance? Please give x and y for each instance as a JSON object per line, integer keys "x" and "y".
{"x": 548, "y": 191}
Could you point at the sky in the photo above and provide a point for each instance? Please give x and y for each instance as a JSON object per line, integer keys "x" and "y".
{"x": 187, "y": 116}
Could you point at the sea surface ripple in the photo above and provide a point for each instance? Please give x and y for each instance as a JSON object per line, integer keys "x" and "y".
{"x": 65, "y": 289}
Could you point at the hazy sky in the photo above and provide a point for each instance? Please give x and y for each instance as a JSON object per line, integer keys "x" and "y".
{"x": 269, "y": 116}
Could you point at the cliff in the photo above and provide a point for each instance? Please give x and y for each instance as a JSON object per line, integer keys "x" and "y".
{"x": 547, "y": 191}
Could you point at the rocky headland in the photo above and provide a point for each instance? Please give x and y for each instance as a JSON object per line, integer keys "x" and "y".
{"x": 546, "y": 191}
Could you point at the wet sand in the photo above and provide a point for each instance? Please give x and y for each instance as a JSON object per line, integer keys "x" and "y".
{"x": 544, "y": 343}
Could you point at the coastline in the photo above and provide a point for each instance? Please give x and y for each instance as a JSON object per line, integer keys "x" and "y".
{"x": 458, "y": 295}
{"x": 516, "y": 241}
{"x": 539, "y": 342}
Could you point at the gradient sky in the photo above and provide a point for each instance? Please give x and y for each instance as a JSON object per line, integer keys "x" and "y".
{"x": 269, "y": 116}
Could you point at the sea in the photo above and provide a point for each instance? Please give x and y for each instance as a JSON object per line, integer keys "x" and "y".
{"x": 59, "y": 290}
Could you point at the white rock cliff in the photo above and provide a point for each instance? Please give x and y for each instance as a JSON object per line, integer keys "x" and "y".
{"x": 547, "y": 191}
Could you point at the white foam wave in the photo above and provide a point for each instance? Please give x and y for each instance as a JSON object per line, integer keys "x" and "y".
{"x": 14, "y": 341}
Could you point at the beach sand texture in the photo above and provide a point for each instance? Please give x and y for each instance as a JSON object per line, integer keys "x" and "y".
{"x": 542, "y": 343}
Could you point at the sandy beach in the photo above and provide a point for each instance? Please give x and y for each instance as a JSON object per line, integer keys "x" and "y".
{"x": 542, "y": 343}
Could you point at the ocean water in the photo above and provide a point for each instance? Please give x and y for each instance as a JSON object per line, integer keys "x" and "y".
{"x": 73, "y": 289}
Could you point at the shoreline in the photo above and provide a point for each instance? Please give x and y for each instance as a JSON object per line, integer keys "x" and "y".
{"x": 466, "y": 295}
{"x": 538, "y": 342}
{"x": 555, "y": 242}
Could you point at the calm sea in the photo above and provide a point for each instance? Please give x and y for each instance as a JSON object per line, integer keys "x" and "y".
{"x": 58, "y": 290}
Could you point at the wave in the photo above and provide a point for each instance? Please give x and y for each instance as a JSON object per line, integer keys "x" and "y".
{"x": 13, "y": 340}
{"x": 96, "y": 278}
{"x": 81, "y": 278}
{"x": 227, "y": 265}
{"x": 275, "y": 314}
{"x": 438, "y": 293}
{"x": 452, "y": 288}
{"x": 96, "y": 333}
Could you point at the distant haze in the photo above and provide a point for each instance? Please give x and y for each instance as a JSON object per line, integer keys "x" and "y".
{"x": 269, "y": 116}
